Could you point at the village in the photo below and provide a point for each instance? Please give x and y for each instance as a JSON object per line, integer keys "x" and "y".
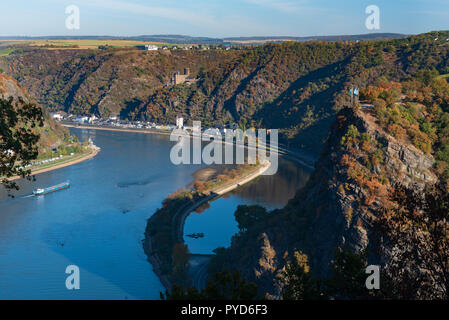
{"x": 153, "y": 47}
{"x": 115, "y": 122}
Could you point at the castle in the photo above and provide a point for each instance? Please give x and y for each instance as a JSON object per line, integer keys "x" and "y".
{"x": 178, "y": 78}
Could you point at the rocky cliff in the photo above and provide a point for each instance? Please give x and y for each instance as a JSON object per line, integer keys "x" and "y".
{"x": 354, "y": 176}
{"x": 353, "y": 181}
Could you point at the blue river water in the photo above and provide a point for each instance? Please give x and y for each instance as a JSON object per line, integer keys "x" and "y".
{"x": 98, "y": 224}
{"x": 216, "y": 219}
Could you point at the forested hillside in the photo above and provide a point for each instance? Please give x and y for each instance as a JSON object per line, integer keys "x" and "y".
{"x": 380, "y": 189}
{"x": 381, "y": 182}
{"x": 297, "y": 87}
{"x": 51, "y": 134}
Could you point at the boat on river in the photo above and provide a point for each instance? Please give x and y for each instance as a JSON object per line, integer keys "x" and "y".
{"x": 44, "y": 191}
{"x": 196, "y": 235}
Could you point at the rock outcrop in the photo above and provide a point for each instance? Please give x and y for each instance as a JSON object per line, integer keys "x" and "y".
{"x": 347, "y": 205}
{"x": 339, "y": 204}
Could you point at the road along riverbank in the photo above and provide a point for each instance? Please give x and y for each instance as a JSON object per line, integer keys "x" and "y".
{"x": 71, "y": 160}
{"x": 165, "y": 228}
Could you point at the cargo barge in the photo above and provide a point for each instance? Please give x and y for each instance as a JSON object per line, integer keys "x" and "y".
{"x": 41, "y": 192}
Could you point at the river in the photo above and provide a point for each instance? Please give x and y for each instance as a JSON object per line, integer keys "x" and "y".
{"x": 98, "y": 224}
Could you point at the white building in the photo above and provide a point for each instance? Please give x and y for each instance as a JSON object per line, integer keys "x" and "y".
{"x": 92, "y": 118}
{"x": 81, "y": 119}
{"x": 57, "y": 116}
{"x": 151, "y": 47}
{"x": 179, "y": 122}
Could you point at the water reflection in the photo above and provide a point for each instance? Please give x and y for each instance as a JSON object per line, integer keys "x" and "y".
{"x": 216, "y": 219}
{"x": 274, "y": 191}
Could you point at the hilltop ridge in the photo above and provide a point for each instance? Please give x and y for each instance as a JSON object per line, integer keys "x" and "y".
{"x": 296, "y": 87}
{"x": 185, "y": 39}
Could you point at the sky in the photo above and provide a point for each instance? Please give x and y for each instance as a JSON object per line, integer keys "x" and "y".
{"x": 220, "y": 18}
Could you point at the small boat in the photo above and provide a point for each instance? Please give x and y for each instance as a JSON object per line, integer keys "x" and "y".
{"x": 61, "y": 186}
{"x": 196, "y": 235}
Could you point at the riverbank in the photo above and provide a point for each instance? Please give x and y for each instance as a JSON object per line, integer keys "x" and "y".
{"x": 305, "y": 160}
{"x": 165, "y": 228}
{"x": 94, "y": 150}
{"x": 93, "y": 127}
{"x": 217, "y": 192}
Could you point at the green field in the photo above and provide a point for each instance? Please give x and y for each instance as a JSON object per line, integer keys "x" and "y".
{"x": 85, "y": 44}
{"x": 88, "y": 44}
{"x": 80, "y": 44}
{"x": 5, "y": 52}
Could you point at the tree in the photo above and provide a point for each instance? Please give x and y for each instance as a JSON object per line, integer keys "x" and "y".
{"x": 181, "y": 264}
{"x": 230, "y": 286}
{"x": 348, "y": 278}
{"x": 199, "y": 186}
{"x": 248, "y": 215}
{"x": 417, "y": 241}
{"x": 224, "y": 286}
{"x": 426, "y": 76}
{"x": 296, "y": 281}
{"x": 18, "y": 138}
{"x": 346, "y": 281}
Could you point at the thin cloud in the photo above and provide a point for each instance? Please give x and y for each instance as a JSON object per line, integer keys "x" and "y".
{"x": 286, "y": 6}
{"x": 431, "y": 12}
{"x": 190, "y": 17}
{"x": 200, "y": 18}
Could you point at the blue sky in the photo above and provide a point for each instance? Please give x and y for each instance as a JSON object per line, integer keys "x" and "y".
{"x": 220, "y": 18}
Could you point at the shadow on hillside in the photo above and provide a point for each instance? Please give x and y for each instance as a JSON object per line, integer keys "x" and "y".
{"x": 290, "y": 108}
{"x": 131, "y": 108}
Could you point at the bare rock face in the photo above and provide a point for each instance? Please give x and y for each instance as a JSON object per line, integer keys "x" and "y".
{"x": 411, "y": 164}
{"x": 10, "y": 88}
{"x": 406, "y": 163}
{"x": 338, "y": 205}
{"x": 349, "y": 208}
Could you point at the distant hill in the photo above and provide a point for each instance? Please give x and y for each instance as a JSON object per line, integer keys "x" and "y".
{"x": 357, "y": 37}
{"x": 206, "y": 40}
{"x": 295, "y": 86}
{"x": 150, "y": 38}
